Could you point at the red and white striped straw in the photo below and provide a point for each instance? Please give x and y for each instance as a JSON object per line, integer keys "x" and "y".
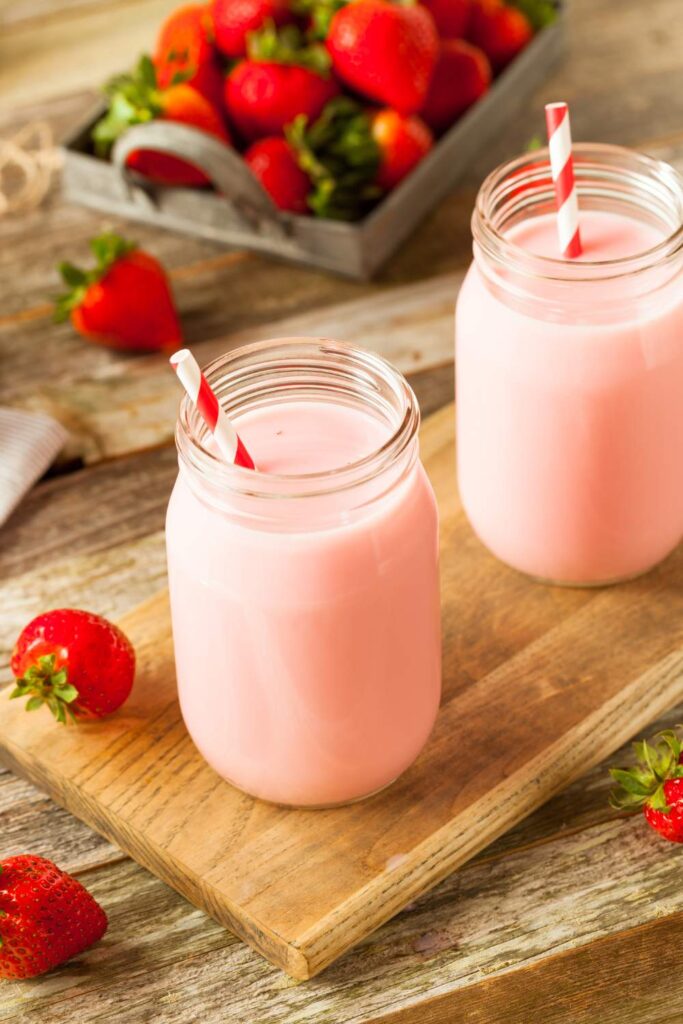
{"x": 562, "y": 168}
{"x": 210, "y": 409}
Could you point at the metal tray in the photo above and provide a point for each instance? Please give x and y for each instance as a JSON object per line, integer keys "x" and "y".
{"x": 240, "y": 214}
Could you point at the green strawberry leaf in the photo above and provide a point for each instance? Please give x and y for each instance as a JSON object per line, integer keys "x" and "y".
{"x": 67, "y": 693}
{"x": 340, "y": 156}
{"x": 77, "y": 280}
{"x": 72, "y": 275}
{"x": 287, "y": 46}
{"x": 133, "y": 99}
{"x": 319, "y": 14}
{"x": 42, "y": 684}
{"x": 658, "y": 761}
{"x": 147, "y": 72}
{"x": 629, "y": 782}
{"x": 658, "y": 801}
{"x": 539, "y": 12}
{"x": 107, "y": 248}
{"x": 645, "y": 754}
{"x": 671, "y": 740}
{"x": 622, "y": 801}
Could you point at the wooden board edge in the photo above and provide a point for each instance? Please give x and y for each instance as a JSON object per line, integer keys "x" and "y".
{"x": 650, "y": 694}
{"x": 599, "y": 735}
{"x": 175, "y": 874}
{"x": 602, "y": 980}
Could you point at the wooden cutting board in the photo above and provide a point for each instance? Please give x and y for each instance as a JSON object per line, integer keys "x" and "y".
{"x": 540, "y": 684}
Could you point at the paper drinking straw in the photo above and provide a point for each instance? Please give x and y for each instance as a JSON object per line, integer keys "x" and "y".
{"x": 210, "y": 409}
{"x": 562, "y": 168}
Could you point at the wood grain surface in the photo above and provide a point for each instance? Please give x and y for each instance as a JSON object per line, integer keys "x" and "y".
{"x": 572, "y": 915}
{"x": 570, "y": 673}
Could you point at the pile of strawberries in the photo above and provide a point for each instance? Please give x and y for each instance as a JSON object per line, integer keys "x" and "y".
{"x": 331, "y": 102}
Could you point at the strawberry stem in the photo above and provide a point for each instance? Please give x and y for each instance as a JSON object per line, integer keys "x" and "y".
{"x": 340, "y": 156}
{"x": 287, "y": 45}
{"x": 320, "y": 14}
{"x": 43, "y": 683}
{"x": 134, "y": 98}
{"x": 657, "y": 762}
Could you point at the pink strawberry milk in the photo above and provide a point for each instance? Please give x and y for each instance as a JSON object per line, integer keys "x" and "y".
{"x": 570, "y": 372}
{"x": 305, "y": 595}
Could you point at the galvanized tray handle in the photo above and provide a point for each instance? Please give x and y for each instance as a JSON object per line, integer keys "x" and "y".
{"x": 221, "y": 164}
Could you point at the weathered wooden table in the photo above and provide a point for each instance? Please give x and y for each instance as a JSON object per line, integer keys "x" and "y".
{"x": 574, "y": 916}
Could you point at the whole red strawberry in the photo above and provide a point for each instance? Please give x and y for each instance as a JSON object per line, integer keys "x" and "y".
{"x": 385, "y": 51}
{"x": 402, "y": 141}
{"x": 280, "y": 80}
{"x": 655, "y": 784}
{"x": 451, "y": 17}
{"x": 235, "y": 19}
{"x": 139, "y": 98}
{"x": 75, "y": 662}
{"x": 46, "y": 917}
{"x": 274, "y": 162}
{"x": 124, "y": 302}
{"x": 263, "y": 97}
{"x": 185, "y": 52}
{"x": 500, "y": 31}
{"x": 462, "y": 76}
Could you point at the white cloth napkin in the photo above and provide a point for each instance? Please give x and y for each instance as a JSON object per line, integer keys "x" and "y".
{"x": 29, "y": 442}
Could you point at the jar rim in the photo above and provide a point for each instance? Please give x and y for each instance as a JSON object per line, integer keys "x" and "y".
{"x": 612, "y": 158}
{"x": 236, "y": 366}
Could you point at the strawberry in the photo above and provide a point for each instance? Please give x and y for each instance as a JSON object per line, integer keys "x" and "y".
{"x": 462, "y": 75}
{"x": 385, "y": 51}
{"x": 75, "y": 662}
{"x": 280, "y": 80}
{"x": 124, "y": 302}
{"x": 185, "y": 52}
{"x": 138, "y": 98}
{"x": 451, "y": 17}
{"x": 46, "y": 917}
{"x": 340, "y": 157}
{"x": 655, "y": 784}
{"x": 274, "y": 162}
{"x": 500, "y": 31}
{"x": 235, "y": 19}
{"x": 403, "y": 142}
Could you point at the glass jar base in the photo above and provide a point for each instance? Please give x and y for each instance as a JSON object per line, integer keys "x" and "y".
{"x": 590, "y": 584}
{"x": 313, "y": 807}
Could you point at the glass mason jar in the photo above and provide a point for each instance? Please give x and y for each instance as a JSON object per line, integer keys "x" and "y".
{"x": 569, "y": 373}
{"x": 305, "y": 608}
